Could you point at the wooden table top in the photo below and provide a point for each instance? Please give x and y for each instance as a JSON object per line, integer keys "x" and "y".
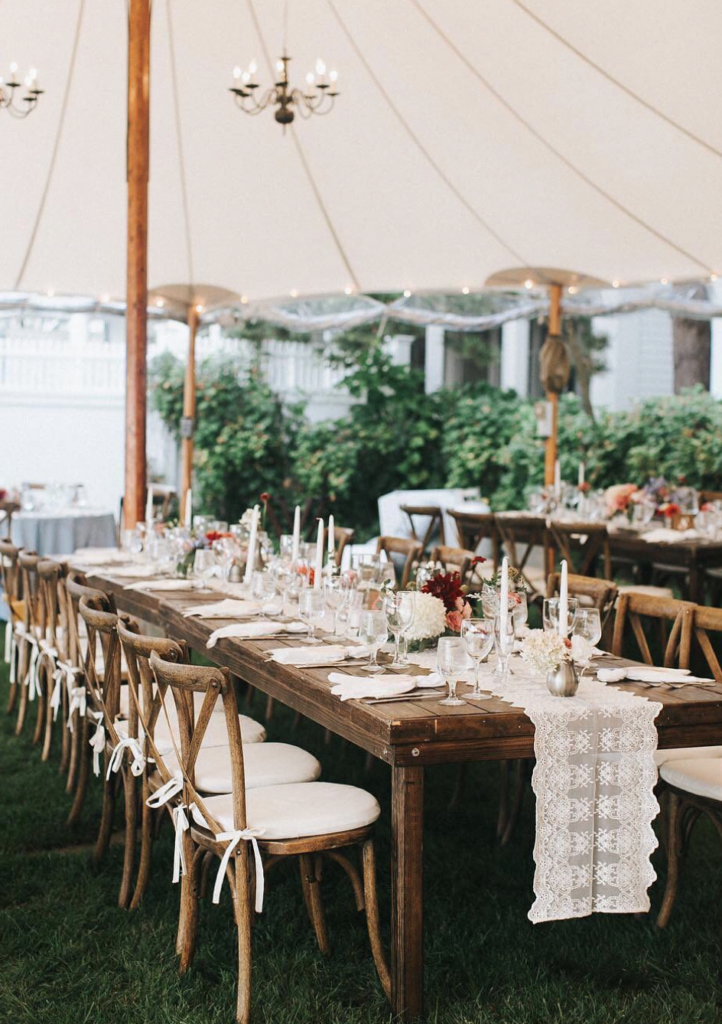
{"x": 402, "y": 733}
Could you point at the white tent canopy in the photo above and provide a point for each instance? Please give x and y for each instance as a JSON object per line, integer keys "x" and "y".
{"x": 467, "y": 138}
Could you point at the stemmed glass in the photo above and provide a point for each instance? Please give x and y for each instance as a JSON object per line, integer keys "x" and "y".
{"x": 399, "y": 610}
{"x": 588, "y": 624}
{"x": 374, "y": 632}
{"x": 504, "y": 642}
{"x": 550, "y": 614}
{"x": 519, "y": 609}
{"x": 478, "y": 635}
{"x": 451, "y": 661}
{"x": 204, "y": 564}
{"x": 224, "y": 551}
{"x": 336, "y": 591}
{"x": 312, "y": 609}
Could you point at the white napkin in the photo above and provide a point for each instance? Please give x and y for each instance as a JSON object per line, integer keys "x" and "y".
{"x": 255, "y": 630}
{"x": 304, "y": 657}
{"x": 669, "y": 536}
{"x": 228, "y": 609}
{"x": 650, "y": 674}
{"x": 163, "y": 585}
{"x": 584, "y": 650}
{"x": 140, "y": 570}
{"x": 100, "y": 556}
{"x": 354, "y": 687}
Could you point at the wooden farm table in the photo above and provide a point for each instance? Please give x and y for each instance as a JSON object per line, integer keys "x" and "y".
{"x": 694, "y": 556}
{"x": 408, "y": 736}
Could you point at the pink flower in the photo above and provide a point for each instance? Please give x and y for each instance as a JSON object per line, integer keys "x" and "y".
{"x": 464, "y": 607}
{"x": 453, "y": 621}
{"x": 618, "y": 497}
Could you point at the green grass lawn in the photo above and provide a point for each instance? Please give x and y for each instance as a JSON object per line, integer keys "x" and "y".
{"x": 68, "y": 955}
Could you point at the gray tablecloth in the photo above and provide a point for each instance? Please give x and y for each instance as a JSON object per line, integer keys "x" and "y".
{"x": 61, "y": 533}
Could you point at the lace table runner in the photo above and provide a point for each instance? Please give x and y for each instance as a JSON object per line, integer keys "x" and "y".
{"x": 594, "y": 784}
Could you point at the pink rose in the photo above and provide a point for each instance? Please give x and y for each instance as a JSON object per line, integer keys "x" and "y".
{"x": 617, "y": 497}
{"x": 453, "y": 621}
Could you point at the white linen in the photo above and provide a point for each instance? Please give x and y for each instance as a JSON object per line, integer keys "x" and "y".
{"x": 650, "y": 674}
{"x": 307, "y": 657}
{"x": 139, "y": 570}
{"x": 100, "y": 556}
{"x": 663, "y": 536}
{"x": 171, "y": 585}
{"x": 355, "y": 687}
{"x": 255, "y": 630}
{"x": 227, "y": 609}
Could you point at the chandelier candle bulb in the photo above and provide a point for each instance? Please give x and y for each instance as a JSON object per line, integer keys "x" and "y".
{"x": 318, "y": 567}
{"x": 564, "y": 601}
{"x": 251, "y": 559}
{"x": 504, "y": 597}
{"x": 296, "y": 534}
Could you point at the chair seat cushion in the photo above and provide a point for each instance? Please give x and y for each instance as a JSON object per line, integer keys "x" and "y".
{"x": 265, "y": 764}
{"x": 216, "y": 734}
{"x": 700, "y": 776}
{"x": 305, "y": 809}
{"x": 685, "y": 754}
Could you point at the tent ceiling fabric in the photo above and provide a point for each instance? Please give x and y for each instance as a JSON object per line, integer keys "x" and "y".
{"x": 468, "y": 138}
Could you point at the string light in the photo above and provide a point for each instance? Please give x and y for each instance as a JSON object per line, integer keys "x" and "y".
{"x": 663, "y": 280}
{"x": 528, "y": 283}
{"x": 615, "y": 284}
{"x": 244, "y": 299}
{"x": 160, "y": 303}
{"x": 464, "y": 290}
{"x": 294, "y": 293}
{"x": 572, "y": 289}
{"x": 407, "y": 294}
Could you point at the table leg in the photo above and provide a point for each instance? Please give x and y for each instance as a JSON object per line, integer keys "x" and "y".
{"x": 694, "y": 584}
{"x": 407, "y": 928}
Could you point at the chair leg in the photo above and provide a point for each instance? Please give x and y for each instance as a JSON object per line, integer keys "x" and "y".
{"x": 243, "y": 926}
{"x": 269, "y": 709}
{"x": 13, "y": 691}
{"x": 24, "y": 661}
{"x": 372, "y": 916}
{"x": 188, "y": 911}
{"x": 49, "y": 721}
{"x": 81, "y": 749}
{"x": 131, "y": 822}
{"x": 75, "y": 754}
{"x": 310, "y": 881}
{"x": 41, "y": 701}
{"x": 106, "y": 815}
{"x": 674, "y": 850}
{"x": 146, "y": 847}
{"x": 66, "y": 735}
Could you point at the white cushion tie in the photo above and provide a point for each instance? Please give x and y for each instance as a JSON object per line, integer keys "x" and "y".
{"x": 50, "y": 654}
{"x": 97, "y": 740}
{"x": 181, "y": 825}
{"x": 9, "y": 635}
{"x": 116, "y": 758}
{"x": 233, "y": 839}
{"x": 165, "y": 793}
{"x": 78, "y": 702}
{"x": 57, "y": 688}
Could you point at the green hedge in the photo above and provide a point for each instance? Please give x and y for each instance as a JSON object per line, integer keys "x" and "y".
{"x": 248, "y": 441}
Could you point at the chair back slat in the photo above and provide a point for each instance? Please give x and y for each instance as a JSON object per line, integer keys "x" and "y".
{"x": 640, "y": 610}
{"x": 475, "y": 527}
{"x": 581, "y": 544}
{"x": 410, "y": 549}
{"x": 10, "y": 573}
{"x": 706, "y": 621}
{"x": 103, "y": 689}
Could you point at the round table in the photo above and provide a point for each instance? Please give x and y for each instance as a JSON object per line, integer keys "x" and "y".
{"x": 62, "y": 531}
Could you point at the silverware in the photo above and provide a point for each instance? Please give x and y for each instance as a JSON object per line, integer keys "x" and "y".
{"x": 405, "y": 696}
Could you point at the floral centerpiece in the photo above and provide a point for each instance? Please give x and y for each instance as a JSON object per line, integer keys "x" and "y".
{"x": 429, "y": 620}
{"x": 618, "y": 498}
{"x": 544, "y": 650}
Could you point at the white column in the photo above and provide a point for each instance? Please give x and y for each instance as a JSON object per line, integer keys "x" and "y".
{"x": 434, "y": 359}
{"x": 515, "y": 356}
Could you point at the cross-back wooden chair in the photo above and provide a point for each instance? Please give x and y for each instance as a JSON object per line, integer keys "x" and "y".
{"x": 520, "y": 536}
{"x": 7, "y": 511}
{"x": 582, "y": 545}
{"x": 458, "y": 560}
{"x": 408, "y": 548}
{"x": 29, "y": 653}
{"x": 304, "y": 820}
{"x": 640, "y": 614}
{"x": 475, "y": 527}
{"x": 596, "y": 593}
{"x": 51, "y": 637}
{"x": 341, "y": 536}
{"x": 13, "y": 596}
{"x": 435, "y": 527}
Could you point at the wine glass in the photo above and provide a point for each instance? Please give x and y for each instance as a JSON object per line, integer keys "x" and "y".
{"x": 374, "y": 632}
{"x": 451, "y": 661}
{"x": 504, "y": 637}
{"x": 399, "y": 610}
{"x": 478, "y": 635}
{"x": 550, "y": 614}
{"x": 204, "y": 564}
{"x": 519, "y": 609}
{"x": 312, "y": 609}
{"x": 588, "y": 624}
{"x": 336, "y": 591}
{"x": 224, "y": 551}
{"x": 348, "y": 616}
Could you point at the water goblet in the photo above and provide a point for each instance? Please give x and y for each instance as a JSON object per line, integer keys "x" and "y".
{"x": 478, "y": 635}
{"x": 336, "y": 591}
{"x": 399, "y": 610}
{"x": 588, "y": 624}
{"x": 504, "y": 637}
{"x": 204, "y": 564}
{"x": 348, "y": 616}
{"x": 224, "y": 551}
{"x": 451, "y": 661}
{"x": 374, "y": 632}
{"x": 312, "y": 609}
{"x": 550, "y": 613}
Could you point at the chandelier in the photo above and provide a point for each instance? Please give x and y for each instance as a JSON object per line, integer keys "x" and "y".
{"x": 11, "y": 100}
{"x": 318, "y": 97}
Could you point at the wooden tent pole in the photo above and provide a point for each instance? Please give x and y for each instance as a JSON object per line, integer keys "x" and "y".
{"x": 554, "y": 330}
{"x": 138, "y": 158}
{"x": 189, "y": 412}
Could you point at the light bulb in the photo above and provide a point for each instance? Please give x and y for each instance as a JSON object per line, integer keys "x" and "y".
{"x": 51, "y": 292}
{"x": 294, "y": 293}
{"x": 279, "y": 66}
{"x": 663, "y": 280}
{"x": 464, "y": 290}
{"x": 13, "y": 70}
{"x": 105, "y": 298}
{"x": 615, "y": 284}
{"x": 528, "y": 283}
{"x": 407, "y": 294}
{"x": 246, "y": 77}
{"x": 160, "y": 303}
{"x": 713, "y": 277}
{"x": 310, "y": 78}
{"x": 333, "y": 75}
{"x": 320, "y": 68}
{"x": 33, "y": 73}
{"x": 237, "y": 72}
{"x": 252, "y": 68}
{"x": 244, "y": 299}
{"x": 347, "y": 290}
{"x": 572, "y": 290}
{"x": 199, "y": 309}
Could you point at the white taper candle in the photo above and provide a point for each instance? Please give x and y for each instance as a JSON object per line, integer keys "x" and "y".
{"x": 564, "y": 601}
{"x": 296, "y": 534}
{"x": 318, "y": 567}
{"x": 251, "y": 560}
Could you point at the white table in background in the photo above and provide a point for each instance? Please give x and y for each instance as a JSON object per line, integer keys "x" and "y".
{"x": 63, "y": 531}
{"x": 395, "y": 523}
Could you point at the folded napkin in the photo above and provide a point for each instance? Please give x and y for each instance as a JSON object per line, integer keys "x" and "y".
{"x": 650, "y": 674}
{"x": 100, "y": 556}
{"x": 355, "y": 687}
{"x": 163, "y": 585}
{"x": 669, "y": 536}
{"x": 255, "y": 630}
{"x": 140, "y": 570}
{"x": 228, "y": 609}
{"x": 584, "y": 650}
{"x": 305, "y": 657}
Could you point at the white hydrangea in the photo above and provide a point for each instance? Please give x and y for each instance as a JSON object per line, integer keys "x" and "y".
{"x": 429, "y": 618}
{"x": 543, "y": 650}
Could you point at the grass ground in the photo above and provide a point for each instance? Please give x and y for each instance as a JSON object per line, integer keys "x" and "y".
{"x": 68, "y": 955}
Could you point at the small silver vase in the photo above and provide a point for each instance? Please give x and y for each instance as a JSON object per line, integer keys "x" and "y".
{"x": 563, "y": 680}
